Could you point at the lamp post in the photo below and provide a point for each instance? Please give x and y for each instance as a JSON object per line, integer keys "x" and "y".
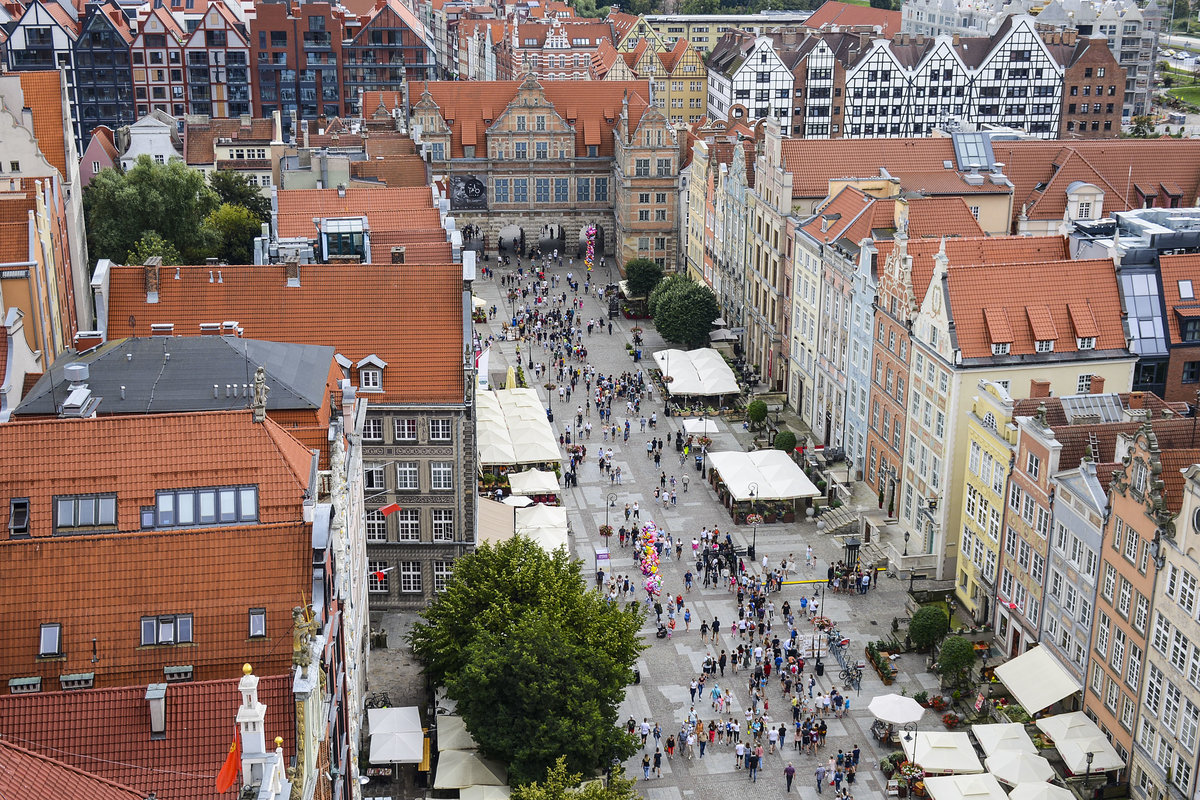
{"x": 753, "y": 487}
{"x": 909, "y": 729}
{"x": 1087, "y": 775}
{"x": 612, "y": 501}
{"x": 906, "y": 543}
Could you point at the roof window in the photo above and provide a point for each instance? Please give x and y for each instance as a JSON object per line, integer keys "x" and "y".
{"x": 50, "y": 640}
{"x": 1185, "y": 291}
{"x": 18, "y": 518}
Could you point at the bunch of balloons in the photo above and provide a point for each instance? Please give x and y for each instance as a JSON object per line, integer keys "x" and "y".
{"x": 591, "y": 247}
{"x": 647, "y": 556}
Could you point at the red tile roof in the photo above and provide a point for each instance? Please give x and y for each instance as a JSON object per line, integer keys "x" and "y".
{"x": 43, "y": 96}
{"x": 411, "y": 316}
{"x": 15, "y": 244}
{"x": 930, "y": 217}
{"x": 388, "y": 210}
{"x": 593, "y": 107}
{"x": 980, "y": 250}
{"x": 832, "y": 12}
{"x": 841, "y": 217}
{"x": 814, "y": 162}
{"x": 1176, "y": 268}
{"x": 200, "y": 137}
{"x": 107, "y": 732}
{"x": 100, "y": 586}
{"x": 1033, "y": 291}
{"x": 142, "y": 454}
{"x": 30, "y": 774}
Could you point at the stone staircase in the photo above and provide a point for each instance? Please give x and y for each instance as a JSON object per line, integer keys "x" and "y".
{"x": 837, "y": 520}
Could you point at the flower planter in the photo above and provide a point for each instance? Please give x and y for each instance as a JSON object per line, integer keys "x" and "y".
{"x": 788, "y": 517}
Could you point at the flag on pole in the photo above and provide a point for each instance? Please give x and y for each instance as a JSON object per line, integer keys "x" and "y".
{"x": 380, "y": 575}
{"x": 229, "y": 770}
{"x": 389, "y": 509}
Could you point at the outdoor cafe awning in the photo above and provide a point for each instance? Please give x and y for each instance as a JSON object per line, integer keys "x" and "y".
{"x": 458, "y": 769}
{"x": 533, "y": 481}
{"x": 770, "y": 474}
{"x": 452, "y": 733}
{"x": 396, "y": 735}
{"x": 964, "y": 787}
{"x": 512, "y": 428}
{"x": 1075, "y": 735}
{"x": 1036, "y": 679}
{"x": 941, "y": 751}
{"x": 546, "y": 525}
{"x": 1001, "y": 736}
{"x": 696, "y": 372}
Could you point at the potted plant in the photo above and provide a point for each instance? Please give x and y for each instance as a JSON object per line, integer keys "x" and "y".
{"x": 922, "y": 697}
{"x": 606, "y": 531}
{"x": 754, "y": 519}
{"x": 950, "y": 719}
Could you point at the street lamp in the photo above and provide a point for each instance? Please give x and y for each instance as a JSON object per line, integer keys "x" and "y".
{"x": 754, "y": 519}
{"x": 906, "y": 543}
{"x": 612, "y": 501}
{"x": 1087, "y": 775}
{"x": 909, "y": 729}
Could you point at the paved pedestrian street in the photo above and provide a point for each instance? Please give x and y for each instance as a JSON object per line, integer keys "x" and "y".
{"x": 667, "y": 666}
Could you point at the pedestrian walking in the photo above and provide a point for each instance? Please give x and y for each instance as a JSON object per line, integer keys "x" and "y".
{"x": 789, "y": 772}
{"x": 646, "y": 766}
{"x": 820, "y": 776}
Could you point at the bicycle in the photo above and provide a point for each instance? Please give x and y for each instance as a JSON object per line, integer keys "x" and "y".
{"x": 850, "y": 676}
{"x": 378, "y": 700}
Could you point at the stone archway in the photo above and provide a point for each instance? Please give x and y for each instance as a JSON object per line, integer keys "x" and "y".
{"x": 550, "y": 239}
{"x": 511, "y": 239}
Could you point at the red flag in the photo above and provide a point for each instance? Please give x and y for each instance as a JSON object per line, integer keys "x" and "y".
{"x": 378, "y": 575}
{"x": 389, "y": 509}
{"x": 229, "y": 770}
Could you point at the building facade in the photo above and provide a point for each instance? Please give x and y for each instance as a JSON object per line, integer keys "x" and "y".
{"x": 383, "y": 51}
{"x": 296, "y": 55}
{"x": 103, "y": 74}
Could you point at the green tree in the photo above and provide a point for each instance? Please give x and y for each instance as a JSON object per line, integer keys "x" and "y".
{"x": 536, "y": 662}
{"x": 785, "y": 441}
{"x": 233, "y": 188}
{"x": 956, "y": 657}
{"x": 150, "y": 245}
{"x": 881, "y": 4}
{"x": 1143, "y": 127}
{"x": 928, "y": 626}
{"x": 665, "y": 287}
{"x": 700, "y": 7}
{"x": 563, "y": 785}
{"x": 642, "y": 275}
{"x": 169, "y": 199}
{"x": 756, "y": 412}
{"x": 232, "y": 230}
{"x": 685, "y": 314}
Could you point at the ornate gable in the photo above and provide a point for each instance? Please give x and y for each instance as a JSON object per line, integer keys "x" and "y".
{"x": 529, "y": 103}
{"x": 427, "y": 114}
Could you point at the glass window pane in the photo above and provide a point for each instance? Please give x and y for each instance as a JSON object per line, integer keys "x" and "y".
{"x": 228, "y": 505}
{"x": 258, "y": 623}
{"x": 208, "y": 505}
{"x": 166, "y": 509}
{"x": 184, "y": 626}
{"x": 149, "y": 626}
{"x": 187, "y": 508}
{"x": 249, "y": 503}
{"x": 108, "y": 511}
{"x": 166, "y": 630}
{"x": 87, "y": 511}
{"x": 49, "y": 643}
{"x": 66, "y": 513}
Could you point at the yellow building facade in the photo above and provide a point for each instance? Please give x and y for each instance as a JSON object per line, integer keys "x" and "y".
{"x": 679, "y": 78}
{"x": 991, "y": 436}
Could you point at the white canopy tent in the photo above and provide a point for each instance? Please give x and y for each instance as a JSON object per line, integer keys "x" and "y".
{"x": 452, "y": 734}
{"x": 938, "y": 751}
{"x": 1013, "y": 767}
{"x": 511, "y": 428}
{"x": 722, "y": 335}
{"x": 1003, "y": 736}
{"x": 696, "y": 372}
{"x": 485, "y": 793}
{"x": 1072, "y": 725}
{"x": 546, "y": 525}
{"x": 458, "y": 769}
{"x": 1074, "y": 754}
{"x": 964, "y": 787}
{"x": 896, "y": 709}
{"x": 520, "y": 501}
{"x": 1040, "y": 791}
{"x": 396, "y": 735}
{"x": 533, "y": 481}
{"x": 777, "y": 476}
{"x": 700, "y": 426}
{"x": 478, "y": 302}
{"x": 1036, "y": 679}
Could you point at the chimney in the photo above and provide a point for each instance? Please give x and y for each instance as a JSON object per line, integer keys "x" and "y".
{"x": 245, "y": 121}
{"x": 1069, "y": 37}
{"x": 88, "y": 340}
{"x": 152, "y": 267}
{"x": 954, "y": 40}
{"x": 156, "y": 698}
{"x": 864, "y": 41}
{"x": 1096, "y": 386}
{"x": 210, "y": 329}
{"x": 80, "y": 402}
{"x": 76, "y": 375}
{"x": 1039, "y": 388}
{"x": 398, "y": 254}
{"x": 1137, "y": 401}
{"x": 162, "y": 329}
{"x": 292, "y": 266}
{"x": 348, "y": 392}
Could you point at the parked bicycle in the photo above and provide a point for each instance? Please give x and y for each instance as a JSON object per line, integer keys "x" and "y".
{"x": 378, "y": 700}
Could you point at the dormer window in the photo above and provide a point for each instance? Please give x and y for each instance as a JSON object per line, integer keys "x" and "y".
{"x": 18, "y": 518}
{"x": 370, "y": 373}
{"x": 1044, "y": 346}
{"x": 1085, "y": 343}
{"x": 50, "y": 640}
{"x": 1001, "y": 348}
{"x": 1185, "y": 290}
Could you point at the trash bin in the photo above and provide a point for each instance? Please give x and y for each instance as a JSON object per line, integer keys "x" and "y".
{"x": 549, "y": 415}
{"x": 637, "y": 675}
{"x": 820, "y": 668}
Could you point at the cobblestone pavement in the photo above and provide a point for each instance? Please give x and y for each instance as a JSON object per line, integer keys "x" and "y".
{"x": 667, "y": 666}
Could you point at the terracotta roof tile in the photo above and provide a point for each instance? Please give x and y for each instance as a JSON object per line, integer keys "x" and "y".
{"x": 43, "y": 96}
{"x": 411, "y": 316}
{"x": 30, "y": 774}
{"x": 590, "y": 103}
{"x": 930, "y": 217}
{"x": 142, "y": 454}
{"x": 1056, "y": 416}
{"x": 1174, "y": 462}
{"x": 999, "y": 329}
{"x": 15, "y": 244}
{"x": 1042, "y": 323}
{"x": 1173, "y": 269}
{"x": 1083, "y": 321}
{"x": 200, "y": 137}
{"x": 388, "y": 210}
{"x": 832, "y": 12}
{"x": 979, "y": 250}
{"x": 975, "y": 307}
{"x": 107, "y": 732}
{"x": 814, "y": 162}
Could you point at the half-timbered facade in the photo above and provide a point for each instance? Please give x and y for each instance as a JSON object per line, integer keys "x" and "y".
{"x": 218, "y": 59}
{"x": 384, "y": 51}
{"x": 157, "y": 52}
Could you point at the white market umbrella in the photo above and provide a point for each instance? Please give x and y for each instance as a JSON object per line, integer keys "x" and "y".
{"x": 1000, "y": 736}
{"x": 485, "y": 793}
{"x": 394, "y": 720}
{"x": 452, "y": 734}
{"x": 700, "y": 426}
{"x": 1040, "y": 791}
{"x": 722, "y": 335}
{"x": 398, "y": 747}
{"x": 458, "y": 769}
{"x": 1013, "y": 767}
{"x": 1072, "y": 725}
{"x": 520, "y": 501}
{"x": 719, "y": 322}
{"x": 478, "y": 302}
{"x": 964, "y": 787}
{"x": 896, "y": 709}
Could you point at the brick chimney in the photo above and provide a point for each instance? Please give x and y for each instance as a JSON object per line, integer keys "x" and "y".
{"x": 1097, "y": 385}
{"x": 1039, "y": 388}
{"x": 1137, "y": 401}
{"x": 292, "y": 266}
{"x": 398, "y": 254}
{"x": 152, "y": 267}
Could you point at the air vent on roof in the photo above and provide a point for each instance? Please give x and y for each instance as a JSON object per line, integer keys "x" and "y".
{"x": 162, "y": 329}
{"x": 178, "y": 674}
{"x": 78, "y": 680}
{"x": 948, "y": 164}
{"x": 24, "y": 685}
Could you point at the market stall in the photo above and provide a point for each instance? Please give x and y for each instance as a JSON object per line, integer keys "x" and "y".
{"x": 1036, "y": 679}
{"x": 764, "y": 482}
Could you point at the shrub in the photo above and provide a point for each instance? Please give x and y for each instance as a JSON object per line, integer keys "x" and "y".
{"x": 928, "y": 626}
{"x": 785, "y": 441}
{"x": 756, "y": 412}
{"x": 956, "y": 657}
